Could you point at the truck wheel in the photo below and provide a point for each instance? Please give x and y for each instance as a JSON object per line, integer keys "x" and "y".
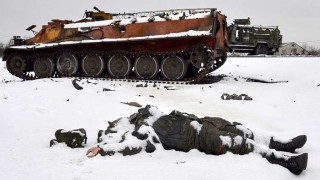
{"x": 262, "y": 49}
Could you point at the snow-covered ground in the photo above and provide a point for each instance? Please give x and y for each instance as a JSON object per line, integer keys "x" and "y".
{"x": 31, "y": 111}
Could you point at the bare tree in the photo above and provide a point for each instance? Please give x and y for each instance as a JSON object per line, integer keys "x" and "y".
{"x": 1, "y": 49}
{"x": 313, "y": 51}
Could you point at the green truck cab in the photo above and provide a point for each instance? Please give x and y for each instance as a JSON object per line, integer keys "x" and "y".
{"x": 255, "y": 40}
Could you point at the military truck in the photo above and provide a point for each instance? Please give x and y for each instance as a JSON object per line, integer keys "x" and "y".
{"x": 255, "y": 40}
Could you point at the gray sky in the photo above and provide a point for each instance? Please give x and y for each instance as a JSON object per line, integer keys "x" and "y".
{"x": 299, "y": 21}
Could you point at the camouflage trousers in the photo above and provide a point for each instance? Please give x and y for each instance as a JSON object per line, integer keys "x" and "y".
{"x": 218, "y": 138}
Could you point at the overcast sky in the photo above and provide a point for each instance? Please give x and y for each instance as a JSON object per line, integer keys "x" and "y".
{"x": 298, "y": 20}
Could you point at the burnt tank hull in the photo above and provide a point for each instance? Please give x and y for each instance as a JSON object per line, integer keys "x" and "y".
{"x": 160, "y": 48}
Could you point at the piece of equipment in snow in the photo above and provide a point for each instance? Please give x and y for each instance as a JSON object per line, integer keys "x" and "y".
{"x": 169, "y": 45}
{"x": 75, "y": 138}
{"x": 255, "y": 40}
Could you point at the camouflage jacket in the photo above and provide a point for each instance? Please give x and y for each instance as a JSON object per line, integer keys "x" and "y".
{"x": 143, "y": 130}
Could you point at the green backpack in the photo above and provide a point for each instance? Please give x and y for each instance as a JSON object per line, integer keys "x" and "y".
{"x": 73, "y": 138}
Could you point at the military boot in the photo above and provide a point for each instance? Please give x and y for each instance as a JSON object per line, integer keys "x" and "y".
{"x": 295, "y": 164}
{"x": 290, "y": 146}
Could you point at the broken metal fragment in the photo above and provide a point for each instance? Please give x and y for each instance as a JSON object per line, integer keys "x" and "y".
{"x": 76, "y": 85}
{"x": 135, "y": 104}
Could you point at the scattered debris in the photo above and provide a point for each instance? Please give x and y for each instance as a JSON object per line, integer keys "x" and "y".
{"x": 151, "y": 96}
{"x": 91, "y": 82}
{"x": 106, "y": 89}
{"x": 264, "y": 81}
{"x": 55, "y": 80}
{"x": 135, "y": 104}
{"x": 182, "y": 162}
{"x": 170, "y": 88}
{"x": 226, "y": 96}
{"x": 7, "y": 81}
{"x": 76, "y": 85}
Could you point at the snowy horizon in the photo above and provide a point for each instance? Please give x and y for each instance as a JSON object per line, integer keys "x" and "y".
{"x": 298, "y": 22}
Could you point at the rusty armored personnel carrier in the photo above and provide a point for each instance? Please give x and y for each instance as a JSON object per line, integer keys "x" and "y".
{"x": 170, "y": 45}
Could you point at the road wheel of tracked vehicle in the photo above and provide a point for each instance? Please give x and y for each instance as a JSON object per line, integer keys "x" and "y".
{"x": 173, "y": 68}
{"x": 43, "y": 67}
{"x": 67, "y": 64}
{"x": 262, "y": 49}
{"x": 119, "y": 66}
{"x": 198, "y": 57}
{"x": 146, "y": 67}
{"x": 93, "y": 65}
{"x": 16, "y": 64}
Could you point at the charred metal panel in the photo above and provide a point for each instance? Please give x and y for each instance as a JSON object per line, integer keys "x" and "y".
{"x": 166, "y": 27}
{"x": 55, "y": 31}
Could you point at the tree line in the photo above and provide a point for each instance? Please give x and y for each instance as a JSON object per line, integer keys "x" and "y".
{"x": 313, "y": 51}
{"x": 2, "y": 46}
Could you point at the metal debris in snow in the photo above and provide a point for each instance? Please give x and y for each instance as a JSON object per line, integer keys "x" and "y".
{"x": 264, "y": 81}
{"x": 135, "y": 104}
{"x": 76, "y": 85}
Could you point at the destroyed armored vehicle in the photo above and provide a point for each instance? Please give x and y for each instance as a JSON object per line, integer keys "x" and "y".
{"x": 170, "y": 45}
{"x": 255, "y": 40}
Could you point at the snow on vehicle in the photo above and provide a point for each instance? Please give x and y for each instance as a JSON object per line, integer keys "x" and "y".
{"x": 170, "y": 45}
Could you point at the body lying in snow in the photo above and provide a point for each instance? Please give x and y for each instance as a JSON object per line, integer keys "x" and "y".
{"x": 147, "y": 128}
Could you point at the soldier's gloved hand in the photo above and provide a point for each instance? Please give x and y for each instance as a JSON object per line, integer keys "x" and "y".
{"x": 93, "y": 151}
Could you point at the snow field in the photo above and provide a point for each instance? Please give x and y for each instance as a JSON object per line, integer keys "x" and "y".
{"x": 31, "y": 111}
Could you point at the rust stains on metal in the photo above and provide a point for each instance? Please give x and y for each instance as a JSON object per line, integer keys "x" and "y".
{"x": 192, "y": 42}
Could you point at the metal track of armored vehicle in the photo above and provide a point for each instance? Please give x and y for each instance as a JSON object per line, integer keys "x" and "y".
{"x": 170, "y": 45}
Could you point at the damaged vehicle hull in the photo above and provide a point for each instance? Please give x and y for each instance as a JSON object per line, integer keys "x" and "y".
{"x": 173, "y": 45}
